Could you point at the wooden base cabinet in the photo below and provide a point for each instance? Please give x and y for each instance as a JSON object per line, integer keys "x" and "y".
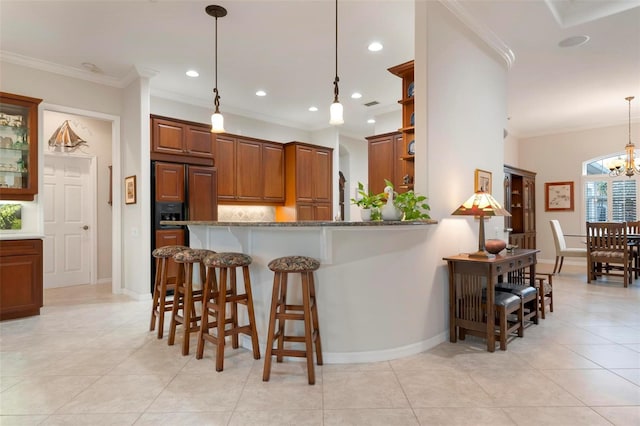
{"x": 520, "y": 201}
{"x": 20, "y": 278}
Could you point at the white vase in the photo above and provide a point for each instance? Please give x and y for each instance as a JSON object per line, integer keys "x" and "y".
{"x": 365, "y": 214}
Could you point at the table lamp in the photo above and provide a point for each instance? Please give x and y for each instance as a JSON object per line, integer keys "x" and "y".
{"x": 481, "y": 204}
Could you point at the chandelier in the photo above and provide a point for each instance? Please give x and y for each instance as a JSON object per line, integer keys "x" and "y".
{"x": 627, "y": 166}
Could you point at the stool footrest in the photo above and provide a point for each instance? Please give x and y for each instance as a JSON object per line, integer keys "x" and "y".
{"x": 289, "y": 352}
{"x": 290, "y": 316}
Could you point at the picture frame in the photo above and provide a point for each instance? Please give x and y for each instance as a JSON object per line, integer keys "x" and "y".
{"x": 130, "y": 189}
{"x": 558, "y": 196}
{"x": 482, "y": 181}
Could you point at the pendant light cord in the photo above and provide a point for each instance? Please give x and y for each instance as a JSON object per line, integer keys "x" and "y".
{"x": 337, "y": 79}
{"x": 216, "y": 99}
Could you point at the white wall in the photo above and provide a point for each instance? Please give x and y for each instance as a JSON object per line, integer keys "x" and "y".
{"x": 559, "y": 158}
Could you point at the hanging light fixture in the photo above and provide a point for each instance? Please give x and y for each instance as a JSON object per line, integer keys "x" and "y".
{"x": 335, "y": 111}
{"x": 217, "y": 120}
{"x": 627, "y": 166}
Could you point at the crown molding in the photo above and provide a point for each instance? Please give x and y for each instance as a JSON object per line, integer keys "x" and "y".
{"x": 483, "y": 32}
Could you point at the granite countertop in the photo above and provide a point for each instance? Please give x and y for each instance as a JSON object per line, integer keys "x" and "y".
{"x": 303, "y": 224}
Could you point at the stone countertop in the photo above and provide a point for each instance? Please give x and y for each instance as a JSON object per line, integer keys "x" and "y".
{"x": 20, "y": 236}
{"x": 380, "y": 223}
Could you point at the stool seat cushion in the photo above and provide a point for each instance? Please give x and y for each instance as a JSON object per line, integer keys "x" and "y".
{"x": 520, "y": 290}
{"x": 228, "y": 260}
{"x": 294, "y": 264}
{"x": 506, "y": 299}
{"x": 167, "y": 251}
{"x": 191, "y": 255}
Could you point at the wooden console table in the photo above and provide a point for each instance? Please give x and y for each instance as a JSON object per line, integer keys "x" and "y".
{"x": 467, "y": 278}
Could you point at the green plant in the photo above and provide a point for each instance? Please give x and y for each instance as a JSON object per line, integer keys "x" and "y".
{"x": 366, "y": 200}
{"x": 10, "y": 216}
{"x": 412, "y": 205}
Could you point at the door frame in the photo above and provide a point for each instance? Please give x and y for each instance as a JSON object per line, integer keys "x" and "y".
{"x": 116, "y": 177}
{"x": 93, "y": 211}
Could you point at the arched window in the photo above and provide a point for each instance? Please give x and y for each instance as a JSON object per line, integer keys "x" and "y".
{"x": 609, "y": 198}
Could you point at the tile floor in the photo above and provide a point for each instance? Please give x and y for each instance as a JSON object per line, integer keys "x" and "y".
{"x": 89, "y": 360}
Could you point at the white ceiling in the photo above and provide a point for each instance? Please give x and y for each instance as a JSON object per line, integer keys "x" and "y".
{"x": 287, "y": 47}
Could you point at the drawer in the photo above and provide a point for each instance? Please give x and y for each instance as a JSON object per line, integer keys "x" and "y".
{"x": 20, "y": 247}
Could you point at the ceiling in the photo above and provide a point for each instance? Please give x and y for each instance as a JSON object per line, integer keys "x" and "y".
{"x": 287, "y": 48}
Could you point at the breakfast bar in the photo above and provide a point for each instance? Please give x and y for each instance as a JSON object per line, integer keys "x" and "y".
{"x": 371, "y": 285}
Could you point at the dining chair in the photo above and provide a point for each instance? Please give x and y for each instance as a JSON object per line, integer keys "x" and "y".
{"x": 608, "y": 252}
{"x": 562, "y": 250}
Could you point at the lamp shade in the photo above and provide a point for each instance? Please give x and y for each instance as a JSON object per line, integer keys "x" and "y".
{"x": 481, "y": 204}
{"x": 335, "y": 114}
{"x": 217, "y": 123}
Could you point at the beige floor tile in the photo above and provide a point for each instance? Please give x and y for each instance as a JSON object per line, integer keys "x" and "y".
{"x": 42, "y": 394}
{"x": 366, "y": 366}
{"x": 117, "y": 394}
{"x": 553, "y": 356}
{"x": 219, "y": 418}
{"x": 429, "y": 388}
{"x": 609, "y": 356}
{"x": 620, "y": 416}
{"x": 86, "y": 362}
{"x": 596, "y": 387}
{"x": 7, "y": 381}
{"x": 622, "y": 335}
{"x": 203, "y": 392}
{"x": 463, "y": 416}
{"x": 237, "y": 362}
{"x": 152, "y": 360}
{"x": 515, "y": 388}
{"x": 277, "y": 418}
{"x": 21, "y": 420}
{"x": 631, "y": 374}
{"x": 633, "y": 347}
{"x": 481, "y": 360}
{"x": 426, "y": 361}
{"x": 113, "y": 419}
{"x": 370, "y": 417}
{"x": 558, "y": 416}
{"x": 363, "y": 390}
{"x": 274, "y": 395}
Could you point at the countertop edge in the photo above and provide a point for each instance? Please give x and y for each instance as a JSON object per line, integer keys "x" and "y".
{"x": 308, "y": 224}
{"x": 8, "y": 237}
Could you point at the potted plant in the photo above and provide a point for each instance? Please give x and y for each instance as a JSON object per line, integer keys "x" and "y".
{"x": 369, "y": 203}
{"x": 412, "y": 205}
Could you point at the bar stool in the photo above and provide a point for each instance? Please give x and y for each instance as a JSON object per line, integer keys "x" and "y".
{"x": 185, "y": 296}
{"x": 215, "y": 299}
{"x": 162, "y": 285}
{"x": 282, "y": 312}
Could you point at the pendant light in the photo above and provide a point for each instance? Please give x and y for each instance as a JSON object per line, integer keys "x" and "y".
{"x": 335, "y": 111}
{"x": 628, "y": 166}
{"x": 217, "y": 120}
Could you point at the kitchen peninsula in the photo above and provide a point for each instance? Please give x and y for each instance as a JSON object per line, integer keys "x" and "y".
{"x": 369, "y": 285}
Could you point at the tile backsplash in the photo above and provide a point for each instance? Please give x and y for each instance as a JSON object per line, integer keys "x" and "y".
{"x": 246, "y": 214}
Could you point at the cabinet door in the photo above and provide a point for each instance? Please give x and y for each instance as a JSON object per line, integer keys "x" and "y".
{"x": 304, "y": 211}
{"x": 382, "y": 152}
{"x": 226, "y": 165}
{"x": 401, "y": 167}
{"x": 528, "y": 205}
{"x": 507, "y": 199}
{"x": 203, "y": 199}
{"x": 20, "y": 278}
{"x": 305, "y": 158}
{"x": 169, "y": 182}
{"x": 322, "y": 176}
{"x": 249, "y": 179}
{"x": 273, "y": 167}
{"x": 170, "y": 237}
{"x": 323, "y": 211}
{"x": 199, "y": 141}
{"x": 168, "y": 137}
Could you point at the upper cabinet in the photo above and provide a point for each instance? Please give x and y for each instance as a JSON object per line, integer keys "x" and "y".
{"x": 250, "y": 171}
{"x": 520, "y": 201}
{"x": 191, "y": 142}
{"x": 18, "y": 147}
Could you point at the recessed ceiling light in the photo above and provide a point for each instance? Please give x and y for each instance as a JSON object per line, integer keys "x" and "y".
{"x": 375, "y": 47}
{"x": 356, "y": 95}
{"x": 574, "y": 41}
{"x": 371, "y": 121}
{"x": 261, "y": 93}
{"x": 192, "y": 73}
{"x": 313, "y": 109}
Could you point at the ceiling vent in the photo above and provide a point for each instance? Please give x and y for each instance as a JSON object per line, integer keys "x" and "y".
{"x": 372, "y": 103}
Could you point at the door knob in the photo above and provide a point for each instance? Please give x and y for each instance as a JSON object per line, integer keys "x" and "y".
{"x": 85, "y": 227}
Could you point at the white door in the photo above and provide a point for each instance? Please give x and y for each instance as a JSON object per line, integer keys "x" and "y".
{"x": 67, "y": 218}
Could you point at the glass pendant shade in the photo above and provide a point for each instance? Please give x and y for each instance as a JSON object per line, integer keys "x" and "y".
{"x": 217, "y": 123}
{"x": 335, "y": 114}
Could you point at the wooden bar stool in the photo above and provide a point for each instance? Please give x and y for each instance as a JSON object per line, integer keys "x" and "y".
{"x": 215, "y": 298}
{"x": 282, "y": 312}
{"x": 185, "y": 296}
{"x": 162, "y": 285}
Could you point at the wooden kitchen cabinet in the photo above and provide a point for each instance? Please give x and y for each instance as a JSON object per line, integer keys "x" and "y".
{"x": 173, "y": 137}
{"x": 20, "y": 278}
{"x": 520, "y": 201}
{"x": 386, "y": 162}
{"x": 18, "y": 147}
{"x": 169, "y": 181}
{"x": 309, "y": 183}
{"x": 250, "y": 171}
{"x": 203, "y": 200}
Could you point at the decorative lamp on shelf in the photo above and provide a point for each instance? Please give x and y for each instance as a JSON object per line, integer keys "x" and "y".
{"x": 481, "y": 204}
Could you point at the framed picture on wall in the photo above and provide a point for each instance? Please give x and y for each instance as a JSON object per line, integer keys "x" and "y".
{"x": 130, "y": 189}
{"x": 482, "y": 181}
{"x": 558, "y": 196}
